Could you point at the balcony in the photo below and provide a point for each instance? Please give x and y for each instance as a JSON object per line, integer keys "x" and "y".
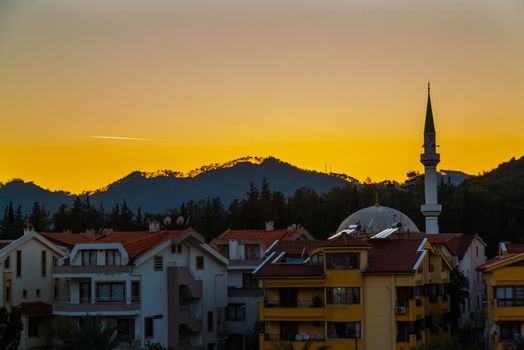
{"x": 297, "y": 341}
{"x": 182, "y": 276}
{"x": 95, "y": 306}
{"x": 344, "y": 312}
{"x": 186, "y": 317}
{"x": 71, "y": 270}
{"x": 411, "y": 311}
{"x": 507, "y": 313}
{"x": 303, "y": 311}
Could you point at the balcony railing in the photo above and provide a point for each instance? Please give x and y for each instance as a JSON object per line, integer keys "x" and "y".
{"x": 98, "y": 304}
{"x": 294, "y": 337}
{"x": 298, "y": 304}
{"x": 74, "y": 269}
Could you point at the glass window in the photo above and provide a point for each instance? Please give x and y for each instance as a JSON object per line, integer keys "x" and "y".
{"x": 88, "y": 257}
{"x": 342, "y": 261}
{"x": 149, "y": 327}
{"x": 236, "y": 312}
{"x": 252, "y": 251}
{"x": 344, "y": 330}
{"x": 509, "y": 330}
{"x": 200, "y": 262}
{"x": 43, "y": 261}
{"x": 210, "y": 321}
{"x": 110, "y": 291}
{"x": 224, "y": 250}
{"x": 18, "y": 263}
{"x": 113, "y": 257}
{"x": 343, "y": 295}
{"x": 7, "y": 262}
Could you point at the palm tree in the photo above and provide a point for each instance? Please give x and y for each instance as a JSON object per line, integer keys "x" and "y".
{"x": 93, "y": 334}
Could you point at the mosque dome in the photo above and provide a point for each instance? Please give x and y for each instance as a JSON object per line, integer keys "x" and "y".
{"x": 377, "y": 218}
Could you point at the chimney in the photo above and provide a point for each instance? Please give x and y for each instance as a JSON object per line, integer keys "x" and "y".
{"x": 154, "y": 226}
{"x": 28, "y": 227}
{"x": 270, "y": 225}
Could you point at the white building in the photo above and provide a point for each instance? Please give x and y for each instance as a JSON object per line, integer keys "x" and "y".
{"x": 166, "y": 287}
{"x": 27, "y": 283}
{"x": 245, "y": 250}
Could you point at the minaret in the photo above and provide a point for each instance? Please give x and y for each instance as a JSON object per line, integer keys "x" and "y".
{"x": 430, "y": 158}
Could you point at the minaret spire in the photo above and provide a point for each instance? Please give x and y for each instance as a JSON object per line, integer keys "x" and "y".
{"x": 430, "y": 158}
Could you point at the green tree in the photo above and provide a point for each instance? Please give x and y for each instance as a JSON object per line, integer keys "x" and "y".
{"x": 10, "y": 329}
{"x": 459, "y": 291}
{"x": 39, "y": 218}
{"x": 88, "y": 333}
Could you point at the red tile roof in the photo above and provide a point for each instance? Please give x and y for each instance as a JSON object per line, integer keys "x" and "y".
{"x": 5, "y": 243}
{"x": 267, "y": 237}
{"x": 345, "y": 240}
{"x": 135, "y": 243}
{"x": 296, "y": 248}
{"x": 393, "y": 256}
{"x": 498, "y": 260}
{"x": 35, "y": 308}
{"x": 515, "y": 247}
{"x": 456, "y": 243}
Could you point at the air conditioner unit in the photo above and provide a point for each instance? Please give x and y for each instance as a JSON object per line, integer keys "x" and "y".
{"x": 401, "y": 310}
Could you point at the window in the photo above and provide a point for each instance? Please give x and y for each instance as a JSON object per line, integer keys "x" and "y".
{"x": 343, "y": 295}
{"x": 24, "y": 293}
{"x": 510, "y": 296}
{"x": 342, "y": 261}
{"x": 32, "y": 329}
{"x": 43, "y": 259}
{"x": 509, "y": 329}
{"x": 224, "y": 250}
{"x": 477, "y": 249}
{"x": 7, "y": 294}
{"x": 113, "y": 257}
{"x": 38, "y": 293}
{"x": 149, "y": 331}
{"x": 252, "y": 251}
{"x": 200, "y": 262}
{"x": 236, "y": 312}
{"x": 55, "y": 261}
{"x": 344, "y": 330}
{"x": 55, "y": 290}
{"x": 88, "y": 257}
{"x": 18, "y": 263}
{"x": 110, "y": 291}
{"x": 210, "y": 321}
{"x": 176, "y": 248}
{"x": 125, "y": 329}
{"x": 317, "y": 259}
{"x": 158, "y": 263}
{"x": 248, "y": 281}
{"x": 135, "y": 290}
{"x": 7, "y": 262}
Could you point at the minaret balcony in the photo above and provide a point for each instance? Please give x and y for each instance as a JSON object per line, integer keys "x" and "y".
{"x": 431, "y": 209}
{"x": 430, "y": 158}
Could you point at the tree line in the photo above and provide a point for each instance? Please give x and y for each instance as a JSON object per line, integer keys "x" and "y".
{"x": 472, "y": 207}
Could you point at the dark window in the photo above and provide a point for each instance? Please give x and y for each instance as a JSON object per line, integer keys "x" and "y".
{"x": 158, "y": 262}
{"x": 288, "y": 331}
{"x": 477, "y": 249}
{"x": 248, "y": 281}
{"x": 342, "y": 261}
{"x": 125, "y": 329}
{"x": 110, "y": 291}
{"x": 7, "y": 262}
{"x": 149, "y": 331}
{"x": 210, "y": 321}
{"x": 224, "y": 250}
{"x": 200, "y": 262}
{"x": 88, "y": 257}
{"x": 236, "y": 312}
{"x": 85, "y": 292}
{"x": 18, "y": 263}
{"x": 252, "y": 251}
{"x": 55, "y": 290}
{"x": 343, "y": 330}
{"x": 288, "y": 297}
{"x": 135, "y": 290}
{"x": 509, "y": 329}
{"x": 113, "y": 257}
{"x": 510, "y": 296}
{"x": 211, "y": 346}
{"x": 32, "y": 329}
{"x": 343, "y": 295}
{"x": 44, "y": 263}
{"x": 24, "y": 293}
{"x": 55, "y": 261}
{"x": 317, "y": 259}
{"x": 38, "y": 293}
{"x": 7, "y": 294}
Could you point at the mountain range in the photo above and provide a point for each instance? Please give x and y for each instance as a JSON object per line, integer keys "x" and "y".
{"x": 156, "y": 192}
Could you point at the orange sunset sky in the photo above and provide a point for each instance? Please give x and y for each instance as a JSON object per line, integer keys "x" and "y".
{"x": 307, "y": 81}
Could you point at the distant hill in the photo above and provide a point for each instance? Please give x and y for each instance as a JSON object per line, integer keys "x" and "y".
{"x": 159, "y": 191}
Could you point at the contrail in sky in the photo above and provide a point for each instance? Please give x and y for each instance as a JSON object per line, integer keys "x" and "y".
{"x": 120, "y": 138}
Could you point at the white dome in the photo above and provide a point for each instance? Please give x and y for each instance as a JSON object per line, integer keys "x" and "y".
{"x": 378, "y": 218}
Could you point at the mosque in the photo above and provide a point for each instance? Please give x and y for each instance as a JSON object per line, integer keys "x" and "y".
{"x": 378, "y": 218}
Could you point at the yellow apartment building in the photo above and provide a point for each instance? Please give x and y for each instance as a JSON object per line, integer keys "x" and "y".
{"x": 504, "y": 308}
{"x": 351, "y": 293}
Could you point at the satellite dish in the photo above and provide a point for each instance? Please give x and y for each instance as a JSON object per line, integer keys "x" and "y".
{"x": 180, "y": 220}
{"x": 167, "y": 221}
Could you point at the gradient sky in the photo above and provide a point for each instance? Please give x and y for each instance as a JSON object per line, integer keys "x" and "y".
{"x": 308, "y": 81}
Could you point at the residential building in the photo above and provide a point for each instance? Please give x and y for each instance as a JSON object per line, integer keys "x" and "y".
{"x": 503, "y": 277}
{"x": 352, "y": 293}
{"x": 27, "y": 284}
{"x": 245, "y": 250}
{"x": 166, "y": 287}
